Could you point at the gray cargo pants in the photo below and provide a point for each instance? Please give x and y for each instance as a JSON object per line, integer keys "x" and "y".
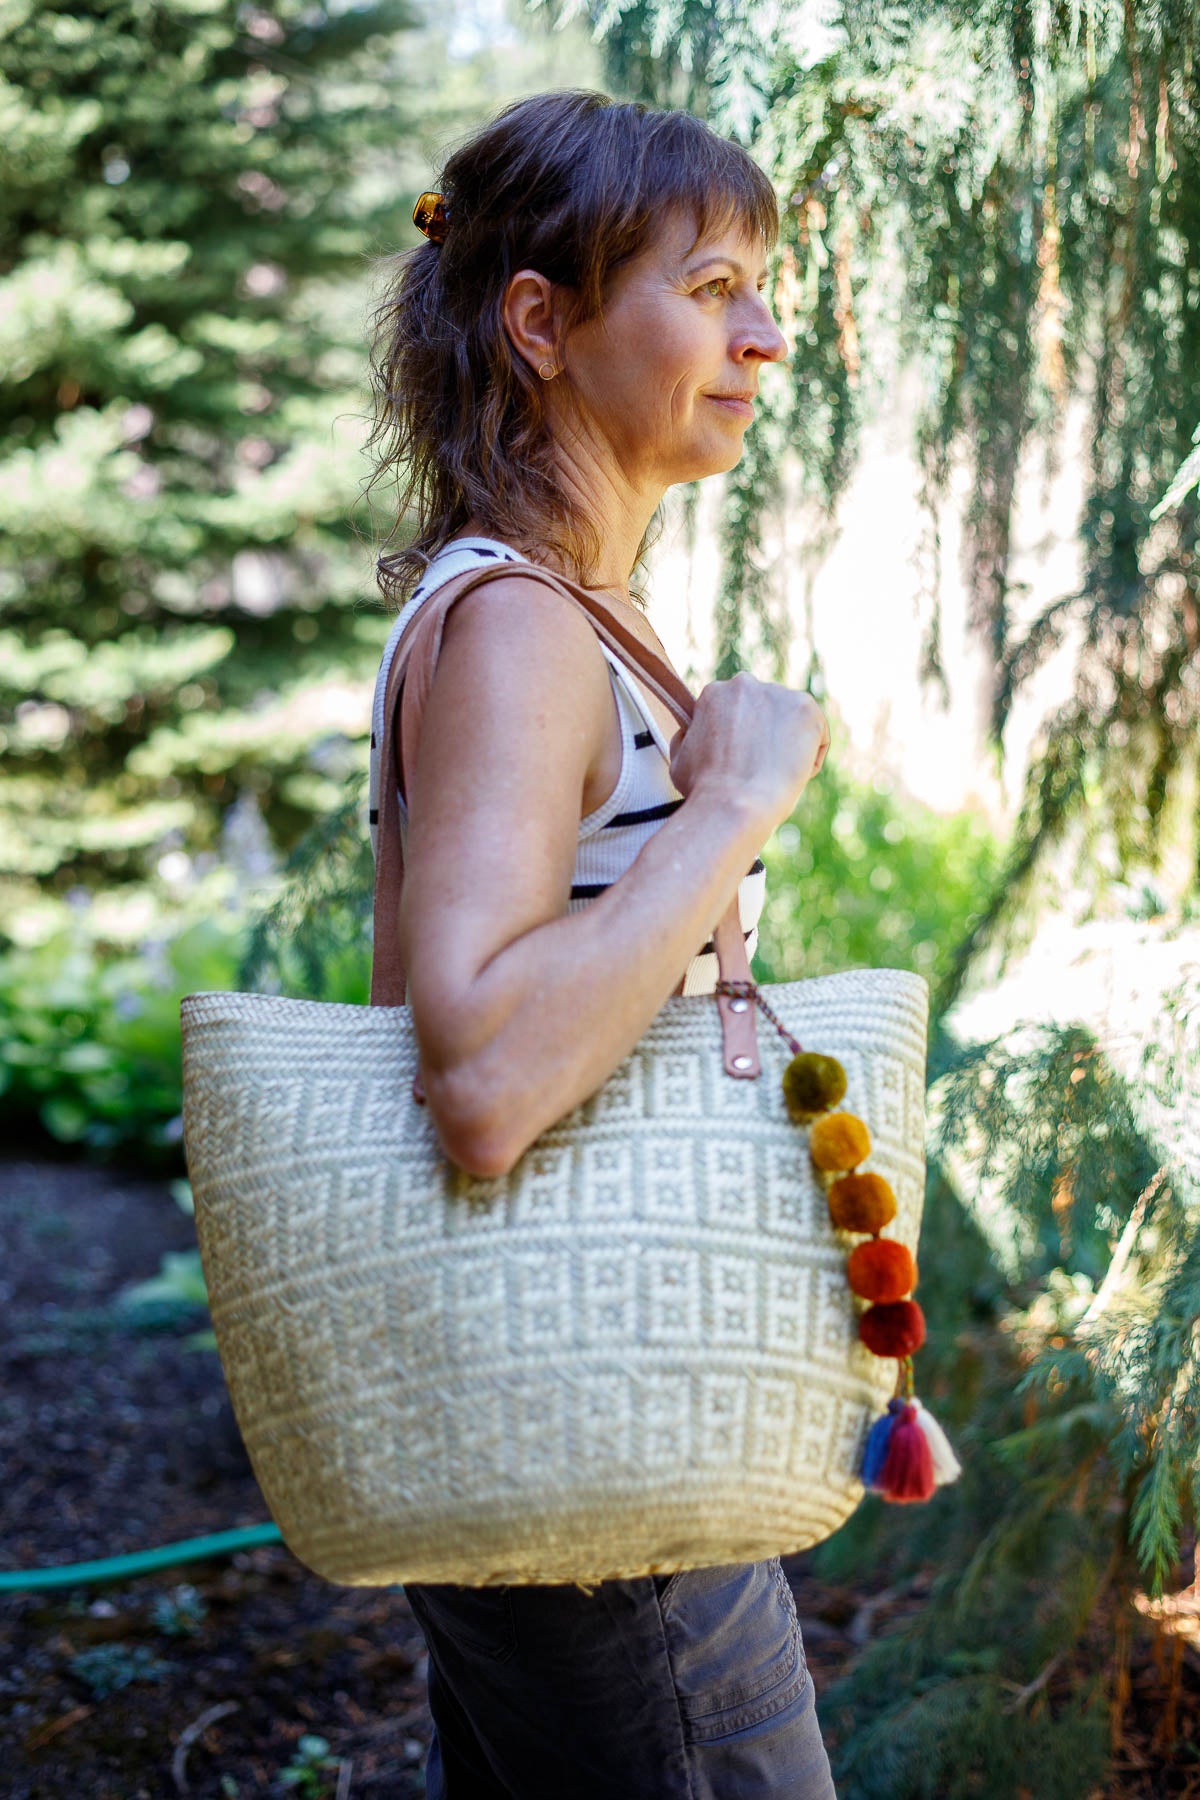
{"x": 669, "y": 1687}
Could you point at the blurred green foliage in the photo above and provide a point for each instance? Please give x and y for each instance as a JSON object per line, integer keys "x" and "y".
{"x": 89, "y": 1042}
{"x": 862, "y": 876}
{"x": 105, "y": 1669}
{"x": 179, "y": 1613}
{"x": 312, "y": 1768}
{"x": 314, "y": 939}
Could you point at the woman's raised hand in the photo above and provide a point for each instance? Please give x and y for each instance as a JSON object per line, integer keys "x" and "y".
{"x": 753, "y": 739}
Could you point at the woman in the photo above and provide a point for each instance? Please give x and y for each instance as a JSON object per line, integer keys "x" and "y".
{"x": 586, "y": 327}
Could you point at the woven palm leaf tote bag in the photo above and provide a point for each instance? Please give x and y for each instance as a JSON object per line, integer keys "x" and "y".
{"x": 635, "y": 1352}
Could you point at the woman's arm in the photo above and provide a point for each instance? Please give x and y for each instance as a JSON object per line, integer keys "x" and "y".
{"x": 522, "y": 1009}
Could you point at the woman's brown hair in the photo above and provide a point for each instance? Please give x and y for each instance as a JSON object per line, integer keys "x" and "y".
{"x": 571, "y": 184}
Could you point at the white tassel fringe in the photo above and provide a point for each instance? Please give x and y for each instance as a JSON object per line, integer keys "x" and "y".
{"x": 946, "y": 1466}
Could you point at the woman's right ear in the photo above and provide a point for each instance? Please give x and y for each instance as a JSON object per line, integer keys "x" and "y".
{"x": 528, "y": 314}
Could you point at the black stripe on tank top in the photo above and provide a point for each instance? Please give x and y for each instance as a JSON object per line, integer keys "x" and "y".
{"x": 644, "y": 813}
{"x": 643, "y": 740}
{"x": 475, "y": 551}
{"x": 663, "y": 811}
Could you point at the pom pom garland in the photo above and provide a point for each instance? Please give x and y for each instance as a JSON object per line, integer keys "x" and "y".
{"x": 906, "y": 1454}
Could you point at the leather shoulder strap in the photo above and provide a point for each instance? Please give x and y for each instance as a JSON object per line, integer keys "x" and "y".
{"x": 415, "y": 657}
{"x": 410, "y": 679}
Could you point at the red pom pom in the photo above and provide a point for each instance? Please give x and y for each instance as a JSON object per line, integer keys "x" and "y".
{"x": 881, "y": 1269}
{"x": 907, "y": 1472}
{"x": 896, "y": 1328}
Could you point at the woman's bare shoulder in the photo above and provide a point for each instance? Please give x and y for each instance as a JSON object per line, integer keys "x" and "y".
{"x": 520, "y": 615}
{"x": 521, "y": 686}
{"x": 513, "y": 650}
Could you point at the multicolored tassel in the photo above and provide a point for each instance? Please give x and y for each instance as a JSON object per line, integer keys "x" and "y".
{"x": 907, "y": 1454}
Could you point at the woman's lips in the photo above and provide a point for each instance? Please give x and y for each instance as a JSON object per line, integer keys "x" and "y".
{"x": 744, "y": 409}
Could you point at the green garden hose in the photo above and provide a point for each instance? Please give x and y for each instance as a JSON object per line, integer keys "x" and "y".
{"x": 138, "y": 1562}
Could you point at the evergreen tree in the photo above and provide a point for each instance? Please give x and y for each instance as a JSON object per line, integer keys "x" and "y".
{"x": 189, "y": 198}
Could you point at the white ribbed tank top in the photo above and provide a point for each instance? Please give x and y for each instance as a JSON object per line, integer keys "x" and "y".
{"x": 611, "y": 836}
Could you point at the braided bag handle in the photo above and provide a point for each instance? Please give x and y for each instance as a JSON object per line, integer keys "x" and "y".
{"x": 410, "y": 679}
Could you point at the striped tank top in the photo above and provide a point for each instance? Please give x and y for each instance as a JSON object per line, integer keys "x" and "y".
{"x": 611, "y": 836}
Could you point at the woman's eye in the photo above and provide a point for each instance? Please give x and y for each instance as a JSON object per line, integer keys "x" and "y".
{"x": 719, "y": 284}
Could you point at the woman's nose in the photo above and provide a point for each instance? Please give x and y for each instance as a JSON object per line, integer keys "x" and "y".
{"x": 763, "y": 336}
{"x": 767, "y": 346}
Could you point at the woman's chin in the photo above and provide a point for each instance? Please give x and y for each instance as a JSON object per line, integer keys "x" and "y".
{"x": 715, "y": 459}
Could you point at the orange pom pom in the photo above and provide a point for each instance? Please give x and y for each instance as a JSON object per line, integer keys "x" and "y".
{"x": 895, "y": 1329}
{"x": 839, "y": 1141}
{"x": 881, "y": 1269}
{"x": 861, "y": 1202}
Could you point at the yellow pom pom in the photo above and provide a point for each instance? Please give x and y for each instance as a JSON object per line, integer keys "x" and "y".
{"x": 839, "y": 1141}
{"x": 812, "y": 1084}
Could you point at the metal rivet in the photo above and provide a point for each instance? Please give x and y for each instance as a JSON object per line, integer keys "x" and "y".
{"x": 743, "y": 1062}
{"x": 738, "y": 1005}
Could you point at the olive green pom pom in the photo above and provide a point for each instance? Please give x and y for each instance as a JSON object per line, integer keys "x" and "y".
{"x": 812, "y": 1084}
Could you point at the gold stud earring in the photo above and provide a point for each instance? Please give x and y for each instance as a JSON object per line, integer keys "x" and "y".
{"x": 547, "y": 370}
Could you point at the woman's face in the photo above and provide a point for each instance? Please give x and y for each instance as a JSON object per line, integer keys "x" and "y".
{"x": 666, "y": 376}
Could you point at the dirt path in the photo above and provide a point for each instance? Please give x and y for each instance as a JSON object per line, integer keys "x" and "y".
{"x": 113, "y": 1440}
